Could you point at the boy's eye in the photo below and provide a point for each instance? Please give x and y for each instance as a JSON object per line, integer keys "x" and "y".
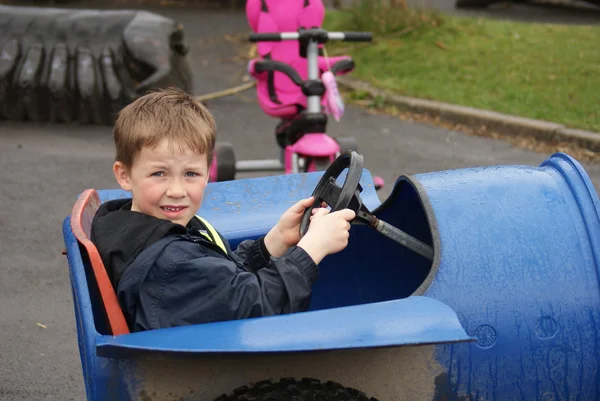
{"x": 157, "y": 174}
{"x": 191, "y": 174}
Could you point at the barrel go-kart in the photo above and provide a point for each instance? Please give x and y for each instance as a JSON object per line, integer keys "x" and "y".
{"x": 468, "y": 284}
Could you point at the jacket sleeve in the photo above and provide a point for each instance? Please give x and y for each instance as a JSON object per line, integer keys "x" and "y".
{"x": 252, "y": 254}
{"x": 209, "y": 288}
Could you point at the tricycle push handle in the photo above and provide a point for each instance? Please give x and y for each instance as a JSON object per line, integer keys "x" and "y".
{"x": 309, "y": 39}
{"x": 265, "y": 37}
{"x": 357, "y": 36}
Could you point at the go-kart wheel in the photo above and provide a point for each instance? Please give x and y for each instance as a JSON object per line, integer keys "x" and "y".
{"x": 225, "y": 161}
{"x": 291, "y": 389}
{"x": 333, "y": 195}
{"x": 347, "y": 143}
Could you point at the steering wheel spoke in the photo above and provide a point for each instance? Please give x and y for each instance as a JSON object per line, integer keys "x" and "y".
{"x": 331, "y": 193}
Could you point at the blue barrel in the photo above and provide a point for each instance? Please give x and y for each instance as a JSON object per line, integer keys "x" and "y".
{"x": 507, "y": 310}
{"x": 517, "y": 251}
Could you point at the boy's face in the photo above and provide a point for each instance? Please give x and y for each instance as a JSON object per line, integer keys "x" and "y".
{"x": 165, "y": 183}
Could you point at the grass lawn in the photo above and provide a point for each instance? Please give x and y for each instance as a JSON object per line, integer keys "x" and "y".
{"x": 541, "y": 71}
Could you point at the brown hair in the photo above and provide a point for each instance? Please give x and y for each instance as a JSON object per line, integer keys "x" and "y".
{"x": 170, "y": 114}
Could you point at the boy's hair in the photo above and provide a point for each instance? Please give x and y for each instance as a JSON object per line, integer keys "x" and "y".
{"x": 170, "y": 114}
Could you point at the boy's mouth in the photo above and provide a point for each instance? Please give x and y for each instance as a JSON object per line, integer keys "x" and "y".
{"x": 173, "y": 209}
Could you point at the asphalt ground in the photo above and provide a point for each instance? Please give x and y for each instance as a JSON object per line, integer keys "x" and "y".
{"x": 46, "y": 166}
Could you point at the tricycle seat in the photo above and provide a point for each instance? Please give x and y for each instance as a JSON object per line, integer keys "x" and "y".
{"x": 277, "y": 94}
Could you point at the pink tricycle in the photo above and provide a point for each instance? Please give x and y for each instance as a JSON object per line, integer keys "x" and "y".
{"x": 296, "y": 84}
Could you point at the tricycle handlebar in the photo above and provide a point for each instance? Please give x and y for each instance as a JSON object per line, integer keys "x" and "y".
{"x": 318, "y": 35}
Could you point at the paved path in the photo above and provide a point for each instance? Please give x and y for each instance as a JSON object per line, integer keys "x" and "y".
{"x": 44, "y": 167}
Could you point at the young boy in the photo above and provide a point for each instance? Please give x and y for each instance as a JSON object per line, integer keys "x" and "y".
{"x": 171, "y": 268}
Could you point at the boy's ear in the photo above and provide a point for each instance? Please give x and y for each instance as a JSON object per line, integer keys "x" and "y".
{"x": 122, "y": 175}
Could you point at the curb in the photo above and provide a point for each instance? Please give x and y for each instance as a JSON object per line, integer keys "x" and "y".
{"x": 502, "y": 123}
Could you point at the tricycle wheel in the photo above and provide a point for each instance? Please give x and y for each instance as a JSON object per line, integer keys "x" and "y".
{"x": 291, "y": 389}
{"x": 225, "y": 161}
{"x": 347, "y": 143}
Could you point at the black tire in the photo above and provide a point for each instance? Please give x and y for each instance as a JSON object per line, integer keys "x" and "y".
{"x": 291, "y": 390}
{"x": 225, "y": 161}
{"x": 347, "y": 143}
{"x": 67, "y": 65}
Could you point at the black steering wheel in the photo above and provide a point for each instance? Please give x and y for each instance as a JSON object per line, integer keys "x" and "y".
{"x": 328, "y": 191}
{"x": 348, "y": 196}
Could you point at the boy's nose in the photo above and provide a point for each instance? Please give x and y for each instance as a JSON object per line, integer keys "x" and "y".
{"x": 176, "y": 190}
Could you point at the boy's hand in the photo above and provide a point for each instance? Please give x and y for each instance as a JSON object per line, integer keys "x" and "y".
{"x": 328, "y": 233}
{"x": 286, "y": 232}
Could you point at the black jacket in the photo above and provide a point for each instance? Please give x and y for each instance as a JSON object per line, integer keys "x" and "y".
{"x": 168, "y": 275}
